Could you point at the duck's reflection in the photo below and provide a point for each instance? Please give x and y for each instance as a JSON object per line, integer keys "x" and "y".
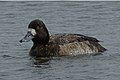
{"x": 38, "y": 61}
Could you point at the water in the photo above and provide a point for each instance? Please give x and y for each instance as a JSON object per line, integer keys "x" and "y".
{"x": 97, "y": 19}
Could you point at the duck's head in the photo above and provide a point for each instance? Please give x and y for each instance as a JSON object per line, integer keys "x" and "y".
{"x": 37, "y": 32}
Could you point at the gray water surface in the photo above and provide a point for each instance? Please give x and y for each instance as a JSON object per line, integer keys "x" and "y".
{"x": 96, "y": 19}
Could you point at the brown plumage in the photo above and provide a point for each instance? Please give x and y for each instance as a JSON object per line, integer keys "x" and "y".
{"x": 59, "y": 44}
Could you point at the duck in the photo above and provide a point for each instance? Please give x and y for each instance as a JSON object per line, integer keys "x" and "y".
{"x": 62, "y": 44}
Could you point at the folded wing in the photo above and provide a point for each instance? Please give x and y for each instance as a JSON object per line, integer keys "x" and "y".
{"x": 69, "y": 38}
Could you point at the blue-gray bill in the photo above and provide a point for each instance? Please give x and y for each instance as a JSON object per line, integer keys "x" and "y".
{"x": 27, "y": 37}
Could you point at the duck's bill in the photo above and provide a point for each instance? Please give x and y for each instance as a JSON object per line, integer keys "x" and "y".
{"x": 27, "y": 37}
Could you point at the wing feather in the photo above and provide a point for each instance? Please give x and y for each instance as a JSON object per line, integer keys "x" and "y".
{"x": 69, "y": 38}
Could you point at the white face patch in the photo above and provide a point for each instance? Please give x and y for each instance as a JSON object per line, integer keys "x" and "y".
{"x": 33, "y": 32}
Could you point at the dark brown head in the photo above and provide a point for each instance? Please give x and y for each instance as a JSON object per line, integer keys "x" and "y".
{"x": 37, "y": 32}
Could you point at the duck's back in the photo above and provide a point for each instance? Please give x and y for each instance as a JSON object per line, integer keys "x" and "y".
{"x": 74, "y": 44}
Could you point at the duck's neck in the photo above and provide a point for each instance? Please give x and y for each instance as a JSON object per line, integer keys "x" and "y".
{"x": 40, "y": 41}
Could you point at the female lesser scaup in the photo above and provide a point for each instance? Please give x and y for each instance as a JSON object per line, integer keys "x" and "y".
{"x": 45, "y": 45}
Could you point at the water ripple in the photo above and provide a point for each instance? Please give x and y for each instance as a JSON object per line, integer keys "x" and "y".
{"x": 97, "y": 19}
